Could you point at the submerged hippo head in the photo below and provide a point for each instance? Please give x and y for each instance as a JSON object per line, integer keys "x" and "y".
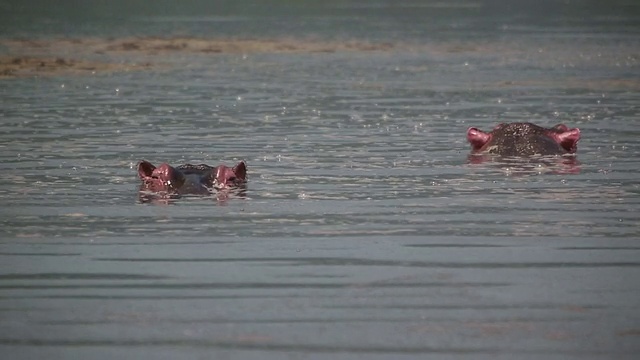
{"x": 162, "y": 178}
{"x": 190, "y": 179}
{"x": 524, "y": 139}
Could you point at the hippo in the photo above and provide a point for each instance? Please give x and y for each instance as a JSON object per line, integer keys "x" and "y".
{"x": 190, "y": 179}
{"x": 524, "y": 140}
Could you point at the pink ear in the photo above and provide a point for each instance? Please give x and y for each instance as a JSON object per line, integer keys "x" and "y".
{"x": 240, "y": 170}
{"x": 568, "y": 139}
{"x": 477, "y": 138}
{"x": 145, "y": 169}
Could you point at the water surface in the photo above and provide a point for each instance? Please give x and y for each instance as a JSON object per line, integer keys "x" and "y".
{"x": 365, "y": 232}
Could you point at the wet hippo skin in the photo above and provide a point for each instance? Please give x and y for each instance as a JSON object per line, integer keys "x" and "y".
{"x": 523, "y": 140}
{"x": 190, "y": 179}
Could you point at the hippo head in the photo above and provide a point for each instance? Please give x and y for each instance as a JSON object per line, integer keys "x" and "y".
{"x": 524, "y": 139}
{"x": 163, "y": 178}
{"x": 226, "y": 177}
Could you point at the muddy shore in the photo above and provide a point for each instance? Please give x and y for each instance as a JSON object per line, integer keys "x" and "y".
{"x": 22, "y": 57}
{"x": 49, "y": 57}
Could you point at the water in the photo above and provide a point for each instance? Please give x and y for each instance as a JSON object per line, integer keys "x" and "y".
{"x": 365, "y": 232}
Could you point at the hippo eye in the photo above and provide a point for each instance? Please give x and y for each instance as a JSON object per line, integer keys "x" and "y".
{"x": 232, "y": 178}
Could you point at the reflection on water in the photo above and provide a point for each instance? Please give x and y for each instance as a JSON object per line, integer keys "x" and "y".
{"x": 527, "y": 166}
{"x": 218, "y": 196}
{"x": 366, "y": 229}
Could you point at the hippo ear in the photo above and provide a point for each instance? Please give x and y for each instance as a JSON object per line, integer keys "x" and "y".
{"x": 477, "y": 138}
{"x": 568, "y": 139}
{"x": 145, "y": 169}
{"x": 240, "y": 170}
